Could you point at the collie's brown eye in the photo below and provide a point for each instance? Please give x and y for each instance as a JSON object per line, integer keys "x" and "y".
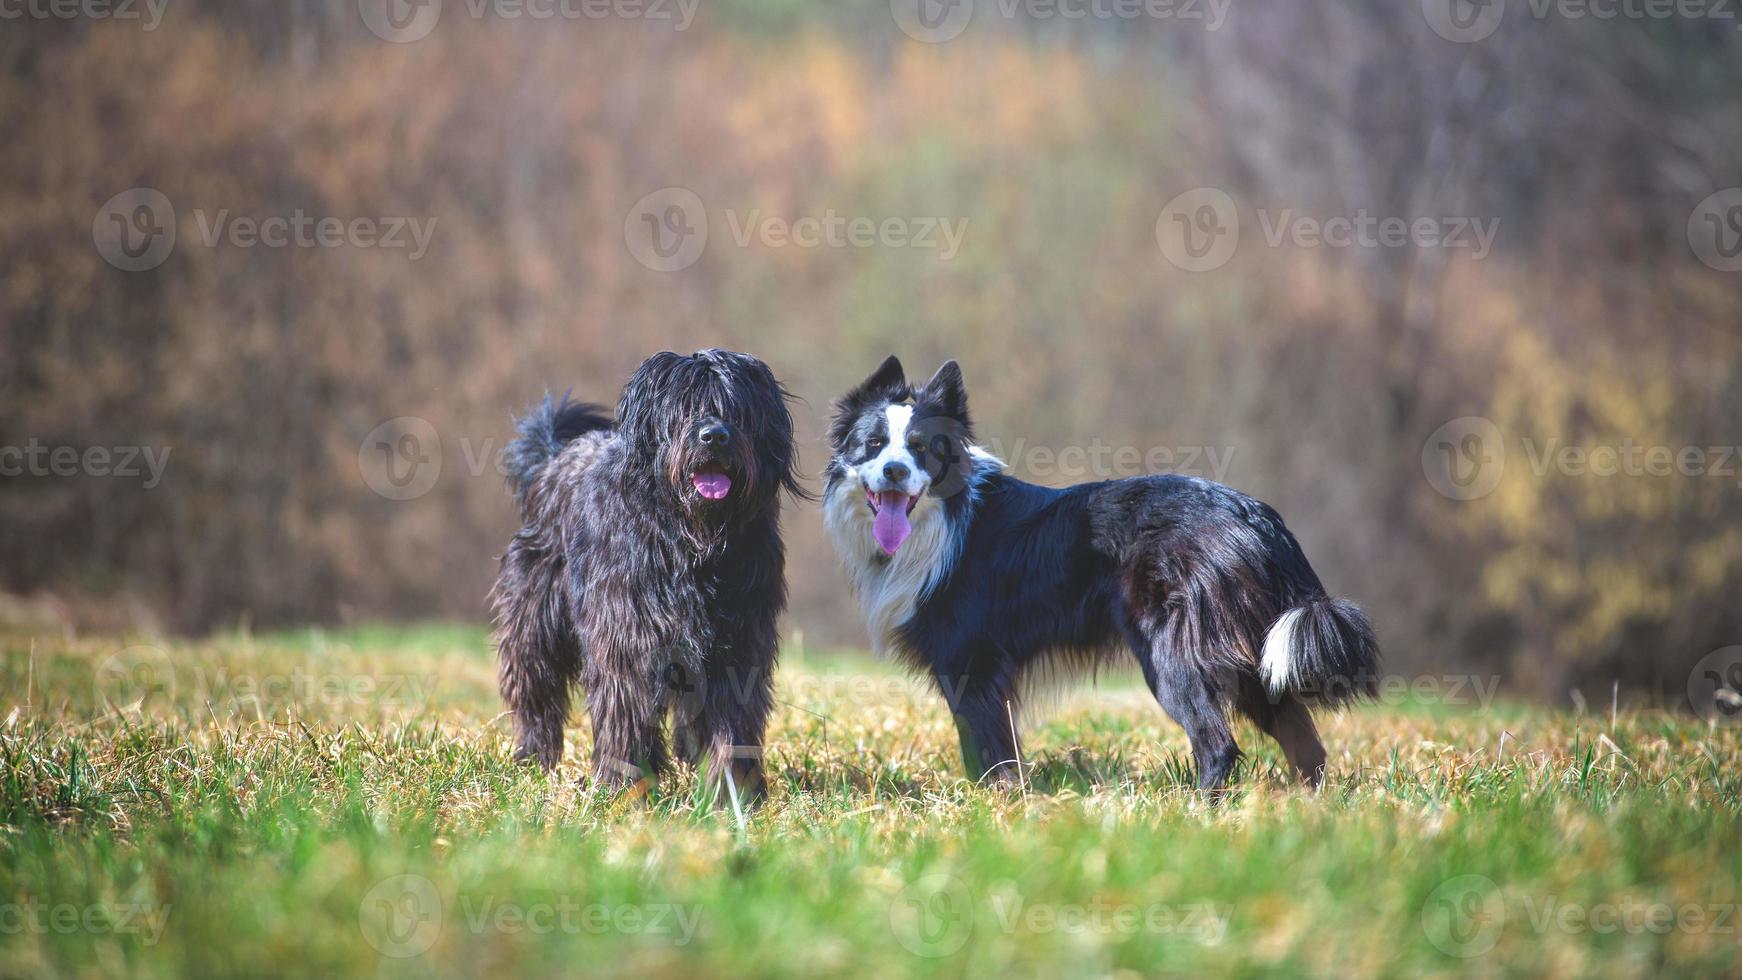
{"x": 876, "y": 444}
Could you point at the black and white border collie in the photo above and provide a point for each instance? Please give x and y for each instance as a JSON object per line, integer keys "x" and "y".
{"x": 980, "y": 580}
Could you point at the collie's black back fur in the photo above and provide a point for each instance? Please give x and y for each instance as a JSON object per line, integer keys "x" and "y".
{"x": 1004, "y": 578}
{"x": 630, "y": 579}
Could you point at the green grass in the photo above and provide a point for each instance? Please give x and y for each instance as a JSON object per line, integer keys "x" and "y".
{"x": 342, "y": 803}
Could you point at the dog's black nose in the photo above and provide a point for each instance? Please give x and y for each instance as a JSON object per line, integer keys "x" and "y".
{"x": 713, "y": 434}
{"x": 895, "y": 472}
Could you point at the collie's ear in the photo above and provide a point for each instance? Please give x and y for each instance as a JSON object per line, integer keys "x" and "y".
{"x": 945, "y": 390}
{"x": 888, "y": 380}
{"x": 887, "y": 383}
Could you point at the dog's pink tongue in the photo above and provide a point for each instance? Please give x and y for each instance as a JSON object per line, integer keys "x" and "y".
{"x": 713, "y": 486}
{"x": 891, "y": 526}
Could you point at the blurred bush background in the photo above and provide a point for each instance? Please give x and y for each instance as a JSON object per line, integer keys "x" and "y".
{"x": 1317, "y": 375}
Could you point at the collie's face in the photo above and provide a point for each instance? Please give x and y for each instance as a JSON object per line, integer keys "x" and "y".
{"x": 899, "y": 449}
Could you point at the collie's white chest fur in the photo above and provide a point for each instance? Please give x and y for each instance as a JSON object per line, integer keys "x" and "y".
{"x": 889, "y": 587}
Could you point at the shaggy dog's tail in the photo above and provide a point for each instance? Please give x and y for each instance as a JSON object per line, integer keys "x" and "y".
{"x": 544, "y": 431}
{"x": 1322, "y": 651}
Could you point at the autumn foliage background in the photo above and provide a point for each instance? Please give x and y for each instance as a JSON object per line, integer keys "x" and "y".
{"x": 1320, "y": 373}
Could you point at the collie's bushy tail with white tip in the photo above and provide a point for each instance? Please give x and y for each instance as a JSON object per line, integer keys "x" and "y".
{"x": 1323, "y": 652}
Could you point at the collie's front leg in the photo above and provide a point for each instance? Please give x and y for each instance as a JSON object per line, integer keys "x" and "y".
{"x": 985, "y": 712}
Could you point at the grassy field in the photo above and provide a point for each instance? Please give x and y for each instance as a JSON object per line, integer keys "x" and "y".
{"x": 343, "y": 803}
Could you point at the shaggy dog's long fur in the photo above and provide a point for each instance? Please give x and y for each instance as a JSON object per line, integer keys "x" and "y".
{"x": 982, "y": 581}
{"x": 650, "y": 569}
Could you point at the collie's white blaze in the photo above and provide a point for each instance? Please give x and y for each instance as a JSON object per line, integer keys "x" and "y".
{"x": 871, "y": 472}
{"x": 1277, "y": 664}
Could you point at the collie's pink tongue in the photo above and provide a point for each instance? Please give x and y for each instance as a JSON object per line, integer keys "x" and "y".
{"x": 712, "y": 485}
{"x": 891, "y": 526}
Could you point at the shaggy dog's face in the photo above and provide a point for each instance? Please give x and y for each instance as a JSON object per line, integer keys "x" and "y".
{"x": 714, "y": 428}
{"x": 902, "y": 448}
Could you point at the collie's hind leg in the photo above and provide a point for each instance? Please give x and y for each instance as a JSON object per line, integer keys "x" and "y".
{"x": 1186, "y": 694}
{"x": 1286, "y": 719}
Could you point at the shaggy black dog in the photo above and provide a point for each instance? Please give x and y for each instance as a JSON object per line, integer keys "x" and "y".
{"x": 650, "y": 569}
{"x": 984, "y": 581}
